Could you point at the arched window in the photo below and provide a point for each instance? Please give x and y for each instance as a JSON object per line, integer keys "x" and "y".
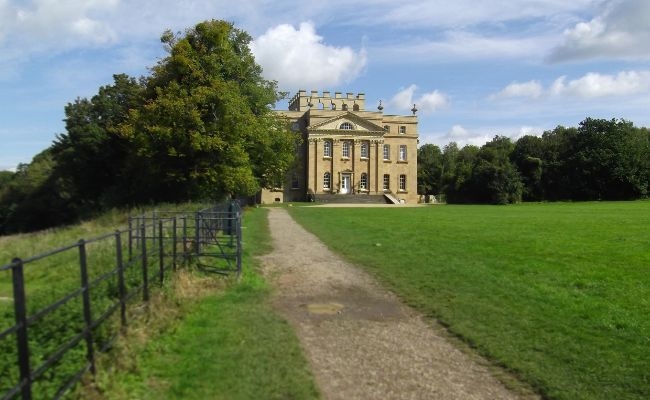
{"x": 355, "y": 107}
{"x": 327, "y": 180}
{"x": 327, "y": 148}
{"x": 363, "y": 183}
{"x": 346, "y": 126}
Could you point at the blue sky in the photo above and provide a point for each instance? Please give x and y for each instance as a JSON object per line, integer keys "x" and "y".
{"x": 475, "y": 69}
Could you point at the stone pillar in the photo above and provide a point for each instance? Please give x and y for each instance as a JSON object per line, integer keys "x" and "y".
{"x": 312, "y": 154}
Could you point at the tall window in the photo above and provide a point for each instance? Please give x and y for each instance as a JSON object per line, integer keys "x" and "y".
{"x": 402, "y": 152}
{"x": 295, "y": 184}
{"x": 402, "y": 129}
{"x": 327, "y": 180}
{"x": 363, "y": 183}
{"x": 386, "y": 182}
{"x": 327, "y": 148}
{"x": 402, "y": 183}
{"x": 346, "y": 126}
{"x": 364, "y": 149}
{"x": 346, "y": 149}
{"x": 386, "y": 152}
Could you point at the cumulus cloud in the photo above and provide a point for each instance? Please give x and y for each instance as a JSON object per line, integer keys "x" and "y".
{"x": 593, "y": 85}
{"x": 589, "y": 86}
{"x": 426, "y": 103}
{"x": 620, "y": 31}
{"x": 299, "y": 58}
{"x": 531, "y": 89}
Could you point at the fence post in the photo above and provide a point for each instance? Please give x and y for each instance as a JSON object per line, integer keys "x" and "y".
{"x": 185, "y": 239}
{"x": 197, "y": 238}
{"x": 145, "y": 268}
{"x": 161, "y": 252}
{"x": 239, "y": 242}
{"x": 119, "y": 261}
{"x": 174, "y": 241}
{"x": 20, "y": 313}
{"x": 130, "y": 238}
{"x": 88, "y": 333}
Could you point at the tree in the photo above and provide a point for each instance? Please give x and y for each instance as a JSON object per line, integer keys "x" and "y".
{"x": 91, "y": 157}
{"x": 458, "y": 166}
{"x": 611, "y": 155}
{"x": 495, "y": 179}
{"x": 527, "y": 158}
{"x": 429, "y": 169}
{"x": 206, "y": 128}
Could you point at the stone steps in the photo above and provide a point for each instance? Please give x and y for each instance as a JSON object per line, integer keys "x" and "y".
{"x": 351, "y": 198}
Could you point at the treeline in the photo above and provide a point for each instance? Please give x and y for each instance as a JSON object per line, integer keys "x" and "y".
{"x": 199, "y": 127}
{"x": 598, "y": 160}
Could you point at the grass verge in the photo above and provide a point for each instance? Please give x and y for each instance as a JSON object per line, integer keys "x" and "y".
{"x": 226, "y": 345}
{"x": 556, "y": 293}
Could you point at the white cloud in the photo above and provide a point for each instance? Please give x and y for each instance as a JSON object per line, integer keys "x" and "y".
{"x": 300, "y": 59}
{"x": 426, "y": 103}
{"x": 531, "y": 89}
{"x": 594, "y": 85}
{"x": 620, "y": 31}
{"x": 590, "y": 86}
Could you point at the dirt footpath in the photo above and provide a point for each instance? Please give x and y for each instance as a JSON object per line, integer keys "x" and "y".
{"x": 361, "y": 342}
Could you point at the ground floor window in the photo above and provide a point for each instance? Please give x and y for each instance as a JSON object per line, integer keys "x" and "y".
{"x": 327, "y": 180}
{"x": 402, "y": 183}
{"x": 363, "y": 183}
{"x": 386, "y": 182}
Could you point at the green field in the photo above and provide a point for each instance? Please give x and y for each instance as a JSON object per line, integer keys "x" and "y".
{"x": 558, "y": 293}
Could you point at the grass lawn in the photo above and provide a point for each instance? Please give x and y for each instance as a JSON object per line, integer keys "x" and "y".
{"x": 558, "y": 293}
{"x": 229, "y": 345}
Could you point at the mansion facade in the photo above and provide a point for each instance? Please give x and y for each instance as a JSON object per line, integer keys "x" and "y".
{"x": 348, "y": 151}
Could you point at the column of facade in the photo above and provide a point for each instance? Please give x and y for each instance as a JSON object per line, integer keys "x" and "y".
{"x": 336, "y": 165}
{"x": 312, "y": 154}
{"x": 377, "y": 159}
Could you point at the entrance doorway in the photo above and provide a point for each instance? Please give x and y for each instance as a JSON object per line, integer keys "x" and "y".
{"x": 345, "y": 183}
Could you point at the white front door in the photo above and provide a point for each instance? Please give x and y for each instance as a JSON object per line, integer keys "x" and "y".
{"x": 345, "y": 184}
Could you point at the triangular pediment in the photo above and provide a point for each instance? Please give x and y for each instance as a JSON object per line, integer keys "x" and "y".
{"x": 339, "y": 122}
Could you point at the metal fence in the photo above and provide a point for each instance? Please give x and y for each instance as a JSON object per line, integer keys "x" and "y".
{"x": 60, "y": 323}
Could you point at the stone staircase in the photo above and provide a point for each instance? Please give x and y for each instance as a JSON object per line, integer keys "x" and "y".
{"x": 352, "y": 199}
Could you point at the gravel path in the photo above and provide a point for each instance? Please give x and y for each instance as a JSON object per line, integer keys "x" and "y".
{"x": 361, "y": 341}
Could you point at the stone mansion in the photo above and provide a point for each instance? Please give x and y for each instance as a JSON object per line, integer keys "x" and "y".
{"x": 348, "y": 151}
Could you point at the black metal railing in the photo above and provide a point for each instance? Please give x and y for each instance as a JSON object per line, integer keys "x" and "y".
{"x": 60, "y": 323}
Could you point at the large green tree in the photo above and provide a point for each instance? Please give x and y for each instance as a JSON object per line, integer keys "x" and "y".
{"x": 430, "y": 168}
{"x": 91, "y": 157}
{"x": 206, "y": 128}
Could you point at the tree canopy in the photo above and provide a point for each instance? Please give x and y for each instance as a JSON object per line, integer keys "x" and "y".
{"x": 199, "y": 127}
{"x": 598, "y": 160}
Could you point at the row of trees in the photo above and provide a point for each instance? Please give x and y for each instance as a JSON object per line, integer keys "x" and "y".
{"x": 598, "y": 160}
{"x": 199, "y": 127}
